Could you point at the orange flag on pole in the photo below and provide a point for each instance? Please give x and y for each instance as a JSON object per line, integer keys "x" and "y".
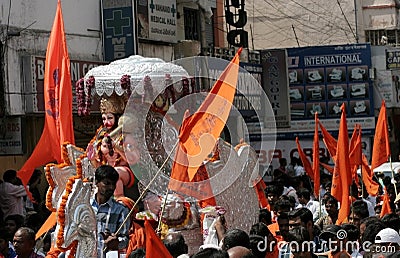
{"x": 355, "y": 147}
{"x": 306, "y": 163}
{"x": 386, "y": 205}
{"x": 371, "y": 186}
{"x": 329, "y": 140}
{"x": 316, "y": 158}
{"x": 200, "y": 132}
{"x": 58, "y": 127}
{"x": 154, "y": 246}
{"x": 342, "y": 171}
{"x": 381, "y": 148}
{"x": 355, "y": 152}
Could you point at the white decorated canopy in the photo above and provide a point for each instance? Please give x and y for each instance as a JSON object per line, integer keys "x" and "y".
{"x": 107, "y": 77}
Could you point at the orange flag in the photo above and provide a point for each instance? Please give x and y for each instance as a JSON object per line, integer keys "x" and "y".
{"x": 58, "y": 127}
{"x": 329, "y": 140}
{"x": 342, "y": 172}
{"x": 306, "y": 163}
{"x": 154, "y": 246}
{"x": 260, "y": 191}
{"x": 371, "y": 186}
{"x": 51, "y": 221}
{"x": 316, "y": 158}
{"x": 200, "y": 131}
{"x": 327, "y": 167}
{"x": 355, "y": 151}
{"x": 381, "y": 148}
{"x": 386, "y": 205}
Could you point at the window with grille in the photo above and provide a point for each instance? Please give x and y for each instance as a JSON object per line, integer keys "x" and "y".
{"x": 383, "y": 37}
{"x": 192, "y": 27}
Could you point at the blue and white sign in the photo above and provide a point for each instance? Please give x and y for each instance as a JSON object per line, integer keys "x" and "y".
{"x": 322, "y": 78}
{"x": 118, "y": 24}
{"x": 162, "y": 20}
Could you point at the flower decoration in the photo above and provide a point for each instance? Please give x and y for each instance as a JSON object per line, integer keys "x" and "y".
{"x": 148, "y": 90}
{"x": 80, "y": 95}
{"x": 185, "y": 87}
{"x": 126, "y": 84}
{"x": 88, "y": 95}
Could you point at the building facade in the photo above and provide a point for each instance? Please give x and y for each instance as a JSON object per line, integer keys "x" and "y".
{"x": 97, "y": 32}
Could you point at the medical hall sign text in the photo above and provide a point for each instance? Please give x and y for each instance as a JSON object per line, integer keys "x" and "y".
{"x": 162, "y": 20}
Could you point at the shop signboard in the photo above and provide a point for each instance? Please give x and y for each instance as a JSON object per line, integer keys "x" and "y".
{"x": 322, "y": 78}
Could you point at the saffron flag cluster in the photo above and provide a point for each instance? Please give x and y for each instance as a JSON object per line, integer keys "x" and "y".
{"x": 348, "y": 157}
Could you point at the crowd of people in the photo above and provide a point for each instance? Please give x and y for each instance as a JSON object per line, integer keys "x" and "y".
{"x": 296, "y": 224}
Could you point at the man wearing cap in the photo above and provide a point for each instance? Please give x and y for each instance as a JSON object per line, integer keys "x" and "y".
{"x": 387, "y": 241}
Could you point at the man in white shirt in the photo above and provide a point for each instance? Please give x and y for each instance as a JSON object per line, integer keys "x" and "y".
{"x": 306, "y": 202}
{"x": 12, "y": 195}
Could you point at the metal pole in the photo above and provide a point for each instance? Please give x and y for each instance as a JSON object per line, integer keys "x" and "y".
{"x": 135, "y": 28}
{"x": 356, "y": 20}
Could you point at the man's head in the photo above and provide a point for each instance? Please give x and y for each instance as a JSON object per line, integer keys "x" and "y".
{"x": 282, "y": 205}
{"x": 10, "y": 176}
{"x": 392, "y": 220}
{"x": 273, "y": 192}
{"x": 359, "y": 211}
{"x": 333, "y": 235}
{"x": 175, "y": 244}
{"x": 282, "y": 162}
{"x": 259, "y": 229}
{"x": 304, "y": 196}
{"x": 13, "y": 222}
{"x": 211, "y": 252}
{"x": 301, "y": 217}
{"x": 264, "y": 216}
{"x": 24, "y": 241}
{"x": 283, "y": 223}
{"x": 298, "y": 237}
{"x": 106, "y": 178}
{"x": 331, "y": 205}
{"x": 235, "y": 237}
{"x": 240, "y": 252}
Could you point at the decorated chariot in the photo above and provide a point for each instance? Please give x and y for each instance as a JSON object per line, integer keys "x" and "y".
{"x": 143, "y": 101}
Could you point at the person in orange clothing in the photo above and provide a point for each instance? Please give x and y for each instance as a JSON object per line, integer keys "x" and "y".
{"x": 136, "y": 232}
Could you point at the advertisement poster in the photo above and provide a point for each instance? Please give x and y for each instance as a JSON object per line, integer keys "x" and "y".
{"x": 321, "y": 79}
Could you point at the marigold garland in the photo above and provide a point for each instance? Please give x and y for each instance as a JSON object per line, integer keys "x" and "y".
{"x": 61, "y": 212}
{"x": 52, "y": 184}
